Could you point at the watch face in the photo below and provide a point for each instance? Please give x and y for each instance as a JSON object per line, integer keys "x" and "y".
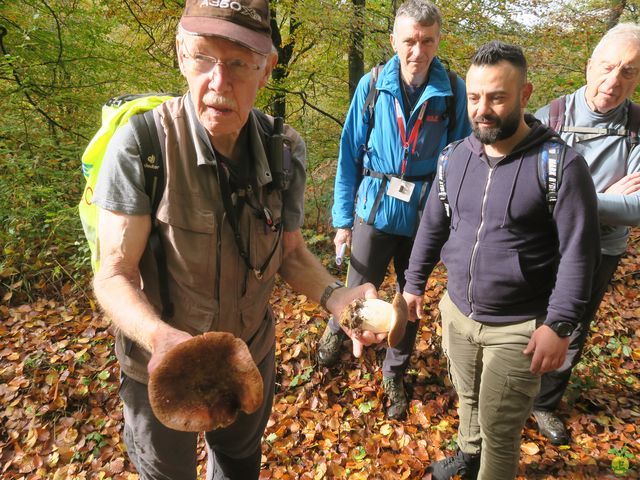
{"x": 563, "y": 329}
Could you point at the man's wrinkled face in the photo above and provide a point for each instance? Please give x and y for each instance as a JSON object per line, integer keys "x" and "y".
{"x": 496, "y": 98}
{"x": 613, "y": 73}
{"x": 415, "y": 44}
{"x": 224, "y": 79}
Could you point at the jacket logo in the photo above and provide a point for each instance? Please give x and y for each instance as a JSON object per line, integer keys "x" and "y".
{"x": 249, "y": 12}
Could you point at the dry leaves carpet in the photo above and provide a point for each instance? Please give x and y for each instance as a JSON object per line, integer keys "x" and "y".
{"x": 60, "y": 415}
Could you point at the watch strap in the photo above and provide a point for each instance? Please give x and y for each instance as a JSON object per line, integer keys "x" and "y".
{"x": 328, "y": 292}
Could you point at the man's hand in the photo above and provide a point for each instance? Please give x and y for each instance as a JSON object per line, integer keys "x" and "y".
{"x": 548, "y": 350}
{"x": 415, "y": 304}
{"x": 343, "y": 235}
{"x": 164, "y": 339}
{"x": 626, "y": 185}
{"x": 339, "y": 301}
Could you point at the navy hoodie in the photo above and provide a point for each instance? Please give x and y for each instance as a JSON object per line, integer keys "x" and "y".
{"x": 508, "y": 258}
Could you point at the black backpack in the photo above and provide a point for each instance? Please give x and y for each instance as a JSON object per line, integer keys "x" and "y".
{"x": 550, "y": 165}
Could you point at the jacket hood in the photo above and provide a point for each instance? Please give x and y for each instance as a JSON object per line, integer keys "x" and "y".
{"x": 538, "y": 134}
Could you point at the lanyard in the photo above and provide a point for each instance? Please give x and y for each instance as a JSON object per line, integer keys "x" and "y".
{"x": 413, "y": 136}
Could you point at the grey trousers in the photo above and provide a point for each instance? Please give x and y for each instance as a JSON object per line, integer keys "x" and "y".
{"x": 494, "y": 385}
{"x": 160, "y": 453}
{"x": 372, "y": 251}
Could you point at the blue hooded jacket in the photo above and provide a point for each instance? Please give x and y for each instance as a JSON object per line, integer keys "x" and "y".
{"x": 385, "y": 150}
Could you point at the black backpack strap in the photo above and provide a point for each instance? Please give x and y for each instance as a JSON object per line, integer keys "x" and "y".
{"x": 147, "y": 136}
{"x": 441, "y": 173}
{"x": 556, "y": 113}
{"x": 550, "y": 168}
{"x": 451, "y": 101}
{"x": 369, "y": 106}
{"x": 633, "y": 124}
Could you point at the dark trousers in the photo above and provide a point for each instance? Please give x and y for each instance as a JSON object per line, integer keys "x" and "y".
{"x": 160, "y": 453}
{"x": 555, "y": 383}
{"x": 371, "y": 252}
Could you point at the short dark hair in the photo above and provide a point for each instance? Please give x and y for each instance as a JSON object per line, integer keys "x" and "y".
{"x": 496, "y": 51}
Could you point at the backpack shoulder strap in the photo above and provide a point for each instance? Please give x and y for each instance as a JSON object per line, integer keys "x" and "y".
{"x": 451, "y": 101}
{"x": 550, "y": 168}
{"x": 148, "y": 137}
{"x": 556, "y": 113}
{"x": 441, "y": 171}
{"x": 633, "y": 123}
{"x": 370, "y": 104}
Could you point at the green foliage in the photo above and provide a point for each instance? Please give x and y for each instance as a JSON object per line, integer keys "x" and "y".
{"x": 62, "y": 60}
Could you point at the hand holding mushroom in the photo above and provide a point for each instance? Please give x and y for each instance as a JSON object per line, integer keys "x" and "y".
{"x": 203, "y": 383}
{"x": 377, "y": 316}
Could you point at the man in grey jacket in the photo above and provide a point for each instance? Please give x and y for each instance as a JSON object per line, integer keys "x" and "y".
{"x": 595, "y": 120}
{"x": 519, "y": 276}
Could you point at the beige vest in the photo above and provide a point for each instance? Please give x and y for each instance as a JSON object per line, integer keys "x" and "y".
{"x": 210, "y": 285}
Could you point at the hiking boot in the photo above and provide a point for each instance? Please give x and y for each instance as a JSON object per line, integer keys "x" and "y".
{"x": 551, "y": 427}
{"x": 329, "y": 347}
{"x": 398, "y": 404}
{"x": 463, "y": 464}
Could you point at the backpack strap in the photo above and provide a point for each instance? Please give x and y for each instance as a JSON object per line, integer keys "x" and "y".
{"x": 150, "y": 147}
{"x": 441, "y": 171}
{"x": 556, "y": 113}
{"x": 451, "y": 101}
{"x": 550, "y": 168}
{"x": 369, "y": 106}
{"x": 633, "y": 124}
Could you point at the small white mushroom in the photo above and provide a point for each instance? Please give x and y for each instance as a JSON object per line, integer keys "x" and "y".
{"x": 377, "y": 316}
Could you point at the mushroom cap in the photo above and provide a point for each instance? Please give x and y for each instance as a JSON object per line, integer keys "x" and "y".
{"x": 399, "y": 319}
{"x": 203, "y": 383}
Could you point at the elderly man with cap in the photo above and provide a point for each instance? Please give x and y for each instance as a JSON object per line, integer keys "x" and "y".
{"x": 227, "y": 230}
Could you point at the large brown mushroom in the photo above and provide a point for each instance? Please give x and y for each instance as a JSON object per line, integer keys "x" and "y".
{"x": 377, "y": 316}
{"x": 203, "y": 383}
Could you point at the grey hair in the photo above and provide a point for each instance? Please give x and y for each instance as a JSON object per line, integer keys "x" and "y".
{"x": 422, "y": 11}
{"x": 623, "y": 31}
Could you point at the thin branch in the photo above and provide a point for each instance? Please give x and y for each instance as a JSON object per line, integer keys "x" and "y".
{"x": 303, "y": 97}
{"x": 25, "y": 91}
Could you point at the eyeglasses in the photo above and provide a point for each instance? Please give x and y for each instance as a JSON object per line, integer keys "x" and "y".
{"x": 237, "y": 68}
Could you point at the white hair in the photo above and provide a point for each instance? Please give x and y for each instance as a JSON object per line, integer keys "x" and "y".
{"x": 623, "y": 31}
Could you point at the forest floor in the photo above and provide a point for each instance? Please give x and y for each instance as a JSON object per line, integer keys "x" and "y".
{"x": 60, "y": 415}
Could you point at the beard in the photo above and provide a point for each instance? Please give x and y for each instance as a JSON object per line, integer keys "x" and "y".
{"x": 504, "y": 127}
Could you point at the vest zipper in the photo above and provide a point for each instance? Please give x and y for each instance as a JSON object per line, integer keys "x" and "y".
{"x": 476, "y": 244}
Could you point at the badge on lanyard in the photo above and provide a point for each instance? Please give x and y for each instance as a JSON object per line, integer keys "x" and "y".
{"x": 400, "y": 189}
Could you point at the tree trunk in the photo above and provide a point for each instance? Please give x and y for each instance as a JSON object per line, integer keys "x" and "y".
{"x": 285, "y": 52}
{"x": 615, "y": 12}
{"x": 356, "y": 47}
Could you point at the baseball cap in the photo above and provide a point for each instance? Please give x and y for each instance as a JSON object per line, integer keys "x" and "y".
{"x": 246, "y": 22}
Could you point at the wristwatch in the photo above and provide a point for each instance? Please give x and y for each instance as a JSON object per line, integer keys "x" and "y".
{"x": 563, "y": 329}
{"x": 328, "y": 292}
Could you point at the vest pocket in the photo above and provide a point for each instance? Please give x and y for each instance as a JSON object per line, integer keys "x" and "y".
{"x": 189, "y": 234}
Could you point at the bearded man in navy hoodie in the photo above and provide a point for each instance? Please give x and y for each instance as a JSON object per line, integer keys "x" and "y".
{"x": 519, "y": 275}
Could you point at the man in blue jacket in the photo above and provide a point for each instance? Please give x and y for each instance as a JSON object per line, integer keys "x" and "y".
{"x": 519, "y": 276}
{"x": 381, "y": 185}
{"x": 595, "y": 120}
